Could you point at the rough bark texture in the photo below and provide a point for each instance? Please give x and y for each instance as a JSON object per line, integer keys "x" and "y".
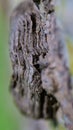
{"x": 40, "y": 82}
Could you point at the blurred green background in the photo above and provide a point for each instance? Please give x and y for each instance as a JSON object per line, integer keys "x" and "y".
{"x": 10, "y": 118}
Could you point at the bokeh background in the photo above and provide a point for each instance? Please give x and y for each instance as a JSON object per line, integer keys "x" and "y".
{"x": 10, "y": 118}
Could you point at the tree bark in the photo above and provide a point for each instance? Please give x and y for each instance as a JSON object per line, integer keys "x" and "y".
{"x": 41, "y": 82}
{"x": 38, "y": 125}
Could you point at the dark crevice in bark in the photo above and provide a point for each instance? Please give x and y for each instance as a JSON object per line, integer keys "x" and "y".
{"x": 33, "y": 18}
{"x": 14, "y": 80}
{"x": 42, "y": 100}
{"x": 37, "y": 66}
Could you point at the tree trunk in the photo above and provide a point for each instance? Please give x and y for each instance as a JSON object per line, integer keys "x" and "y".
{"x": 41, "y": 82}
